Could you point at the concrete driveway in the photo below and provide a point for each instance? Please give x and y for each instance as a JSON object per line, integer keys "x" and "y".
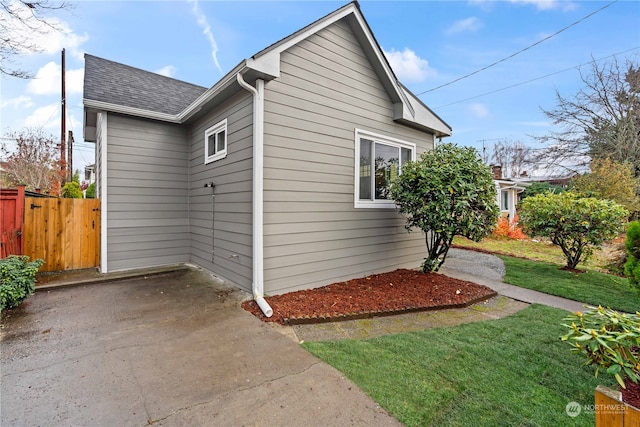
{"x": 172, "y": 350}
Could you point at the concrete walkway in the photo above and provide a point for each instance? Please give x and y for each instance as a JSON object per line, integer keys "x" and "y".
{"x": 488, "y": 270}
{"x": 172, "y": 349}
{"x": 477, "y": 267}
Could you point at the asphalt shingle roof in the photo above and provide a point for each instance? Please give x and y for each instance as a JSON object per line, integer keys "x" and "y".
{"x": 120, "y": 84}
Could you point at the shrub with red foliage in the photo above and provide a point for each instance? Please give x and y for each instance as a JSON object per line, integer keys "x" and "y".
{"x": 509, "y": 229}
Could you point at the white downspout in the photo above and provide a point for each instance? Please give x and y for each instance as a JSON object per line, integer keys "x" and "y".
{"x": 258, "y": 186}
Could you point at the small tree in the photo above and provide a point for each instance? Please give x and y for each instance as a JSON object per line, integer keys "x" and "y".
{"x": 610, "y": 180}
{"x": 448, "y": 192}
{"x": 632, "y": 245}
{"x": 71, "y": 189}
{"x": 91, "y": 191}
{"x": 31, "y": 159}
{"x": 577, "y": 225}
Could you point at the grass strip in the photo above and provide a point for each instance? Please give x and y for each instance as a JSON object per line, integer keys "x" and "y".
{"x": 590, "y": 287}
{"x": 513, "y": 371}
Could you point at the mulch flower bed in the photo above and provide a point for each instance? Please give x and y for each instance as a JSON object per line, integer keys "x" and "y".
{"x": 395, "y": 292}
{"x": 631, "y": 394}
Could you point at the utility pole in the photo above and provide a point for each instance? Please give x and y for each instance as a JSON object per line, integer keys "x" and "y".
{"x": 63, "y": 128}
{"x": 70, "y": 142}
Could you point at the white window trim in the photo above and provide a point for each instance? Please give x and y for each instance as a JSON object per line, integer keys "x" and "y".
{"x": 218, "y": 127}
{"x": 505, "y": 194}
{"x": 383, "y": 139}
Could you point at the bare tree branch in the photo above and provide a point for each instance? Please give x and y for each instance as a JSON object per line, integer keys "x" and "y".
{"x": 19, "y": 21}
{"x": 602, "y": 120}
{"x": 513, "y": 156}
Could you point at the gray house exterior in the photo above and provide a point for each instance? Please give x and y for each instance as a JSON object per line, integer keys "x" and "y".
{"x": 274, "y": 178}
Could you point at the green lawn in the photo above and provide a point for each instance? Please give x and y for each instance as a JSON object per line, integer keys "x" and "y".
{"x": 590, "y": 287}
{"x": 538, "y": 251}
{"x": 509, "y": 372}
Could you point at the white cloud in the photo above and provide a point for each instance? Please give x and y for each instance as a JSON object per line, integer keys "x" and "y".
{"x": 19, "y": 102}
{"x": 479, "y": 110}
{"x": 48, "y": 80}
{"x": 48, "y": 117}
{"x": 408, "y": 66}
{"x": 548, "y": 4}
{"x": 206, "y": 30}
{"x": 471, "y": 24}
{"x": 564, "y": 5}
{"x": 167, "y": 71}
{"x": 31, "y": 35}
{"x": 45, "y": 117}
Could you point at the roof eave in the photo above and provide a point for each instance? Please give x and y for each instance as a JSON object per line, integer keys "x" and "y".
{"x": 225, "y": 82}
{"x": 131, "y": 111}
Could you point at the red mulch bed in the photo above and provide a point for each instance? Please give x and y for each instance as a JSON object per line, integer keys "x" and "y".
{"x": 631, "y": 395}
{"x": 395, "y": 292}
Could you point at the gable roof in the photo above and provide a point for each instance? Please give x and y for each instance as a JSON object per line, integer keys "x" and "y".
{"x": 114, "y": 83}
{"x": 175, "y": 101}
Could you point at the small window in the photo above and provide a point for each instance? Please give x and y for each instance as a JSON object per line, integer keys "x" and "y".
{"x": 504, "y": 202}
{"x": 379, "y": 161}
{"x": 215, "y": 142}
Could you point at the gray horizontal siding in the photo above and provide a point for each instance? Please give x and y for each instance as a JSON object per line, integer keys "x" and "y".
{"x": 147, "y": 212}
{"x": 313, "y": 234}
{"x": 234, "y": 182}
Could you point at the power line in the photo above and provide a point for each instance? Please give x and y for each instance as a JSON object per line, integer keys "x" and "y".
{"x": 537, "y": 78}
{"x": 518, "y": 52}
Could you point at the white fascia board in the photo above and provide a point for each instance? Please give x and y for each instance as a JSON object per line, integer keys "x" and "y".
{"x": 138, "y": 112}
{"x": 269, "y": 60}
{"x": 228, "y": 79}
{"x": 268, "y": 64}
{"x": 380, "y": 58}
{"x": 424, "y": 116}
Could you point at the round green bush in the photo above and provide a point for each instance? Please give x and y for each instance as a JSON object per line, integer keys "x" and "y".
{"x": 17, "y": 279}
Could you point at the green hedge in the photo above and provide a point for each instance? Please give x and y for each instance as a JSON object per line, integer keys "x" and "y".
{"x": 17, "y": 279}
{"x": 632, "y": 267}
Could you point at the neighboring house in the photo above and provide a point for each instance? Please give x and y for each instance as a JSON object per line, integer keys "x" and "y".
{"x": 90, "y": 174}
{"x": 508, "y": 192}
{"x": 274, "y": 178}
{"x": 562, "y": 181}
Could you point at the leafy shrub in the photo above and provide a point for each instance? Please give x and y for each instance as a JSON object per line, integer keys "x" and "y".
{"x": 17, "y": 279}
{"x": 608, "y": 339}
{"x": 541, "y": 188}
{"x": 578, "y": 225}
{"x": 447, "y": 192}
{"x": 72, "y": 190}
{"x": 632, "y": 245}
{"x": 509, "y": 229}
{"x": 91, "y": 191}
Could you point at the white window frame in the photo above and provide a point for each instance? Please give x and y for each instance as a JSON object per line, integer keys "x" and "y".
{"x": 380, "y": 139}
{"x": 505, "y": 197}
{"x": 215, "y": 130}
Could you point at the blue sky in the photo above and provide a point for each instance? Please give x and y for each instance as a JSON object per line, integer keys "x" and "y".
{"x": 428, "y": 43}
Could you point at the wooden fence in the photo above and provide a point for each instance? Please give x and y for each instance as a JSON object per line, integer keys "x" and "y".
{"x": 63, "y": 232}
{"x": 612, "y": 412}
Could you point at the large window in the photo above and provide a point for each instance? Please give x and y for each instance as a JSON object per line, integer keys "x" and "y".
{"x": 215, "y": 142}
{"x": 379, "y": 160}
